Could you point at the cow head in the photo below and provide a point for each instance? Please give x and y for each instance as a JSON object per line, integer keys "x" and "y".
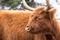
{"x": 40, "y": 20}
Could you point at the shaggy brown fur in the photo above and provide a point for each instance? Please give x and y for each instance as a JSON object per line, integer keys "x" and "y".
{"x": 12, "y": 25}
{"x": 42, "y": 22}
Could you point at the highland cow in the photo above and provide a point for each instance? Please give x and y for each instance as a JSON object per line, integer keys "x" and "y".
{"x": 41, "y": 24}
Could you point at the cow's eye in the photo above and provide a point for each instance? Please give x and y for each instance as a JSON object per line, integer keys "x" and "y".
{"x": 36, "y": 18}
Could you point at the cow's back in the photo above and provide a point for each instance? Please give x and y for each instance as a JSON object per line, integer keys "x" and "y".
{"x": 12, "y": 25}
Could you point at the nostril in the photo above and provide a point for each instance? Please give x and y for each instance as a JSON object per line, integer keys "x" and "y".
{"x": 27, "y": 28}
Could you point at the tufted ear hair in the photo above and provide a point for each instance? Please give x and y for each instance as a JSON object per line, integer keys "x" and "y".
{"x": 39, "y": 9}
{"x": 52, "y": 11}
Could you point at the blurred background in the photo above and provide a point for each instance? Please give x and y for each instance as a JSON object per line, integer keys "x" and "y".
{"x": 17, "y": 5}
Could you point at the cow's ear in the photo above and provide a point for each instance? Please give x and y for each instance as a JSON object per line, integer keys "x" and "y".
{"x": 52, "y": 12}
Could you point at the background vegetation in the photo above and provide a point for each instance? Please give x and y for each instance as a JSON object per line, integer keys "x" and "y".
{"x": 14, "y": 4}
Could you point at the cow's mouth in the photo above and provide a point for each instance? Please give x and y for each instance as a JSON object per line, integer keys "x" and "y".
{"x": 49, "y": 36}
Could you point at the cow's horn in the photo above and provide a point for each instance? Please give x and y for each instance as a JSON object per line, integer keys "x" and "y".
{"x": 48, "y": 4}
{"x": 26, "y": 5}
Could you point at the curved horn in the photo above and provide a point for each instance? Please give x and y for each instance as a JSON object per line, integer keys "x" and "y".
{"x": 26, "y": 5}
{"x": 48, "y": 4}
